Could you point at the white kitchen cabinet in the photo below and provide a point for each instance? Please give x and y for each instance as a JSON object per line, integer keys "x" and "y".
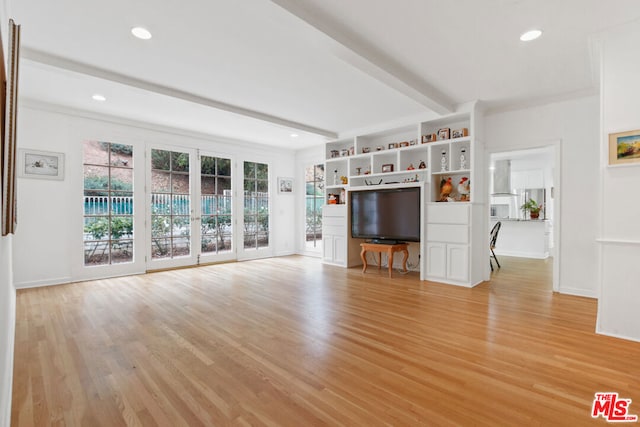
{"x": 527, "y": 179}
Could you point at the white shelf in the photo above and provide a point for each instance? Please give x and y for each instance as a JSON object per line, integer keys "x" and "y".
{"x": 459, "y": 171}
{"x": 394, "y": 173}
{"x": 336, "y": 187}
{"x": 386, "y": 186}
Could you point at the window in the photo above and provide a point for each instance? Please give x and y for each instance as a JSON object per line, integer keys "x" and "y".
{"x": 170, "y": 204}
{"x": 215, "y": 205}
{"x": 108, "y": 203}
{"x": 256, "y": 205}
{"x": 314, "y": 183}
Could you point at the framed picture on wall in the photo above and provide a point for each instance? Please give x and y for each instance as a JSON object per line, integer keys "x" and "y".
{"x": 40, "y": 164}
{"x": 285, "y": 185}
{"x": 624, "y": 148}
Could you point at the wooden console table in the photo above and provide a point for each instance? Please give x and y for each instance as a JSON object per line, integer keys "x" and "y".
{"x": 389, "y": 249}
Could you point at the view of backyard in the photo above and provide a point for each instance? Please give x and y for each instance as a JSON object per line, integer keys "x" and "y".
{"x": 109, "y": 208}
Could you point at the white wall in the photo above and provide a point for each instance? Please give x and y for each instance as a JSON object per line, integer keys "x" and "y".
{"x": 7, "y": 293}
{"x": 47, "y": 245}
{"x": 7, "y": 329}
{"x": 575, "y": 124}
{"x": 620, "y": 201}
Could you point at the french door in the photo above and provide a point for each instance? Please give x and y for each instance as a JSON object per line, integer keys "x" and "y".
{"x": 190, "y": 215}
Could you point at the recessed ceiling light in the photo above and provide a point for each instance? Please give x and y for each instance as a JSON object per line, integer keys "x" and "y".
{"x": 98, "y": 97}
{"x": 530, "y": 35}
{"x": 294, "y": 135}
{"x": 141, "y": 33}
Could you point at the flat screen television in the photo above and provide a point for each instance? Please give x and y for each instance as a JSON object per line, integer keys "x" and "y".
{"x": 386, "y": 215}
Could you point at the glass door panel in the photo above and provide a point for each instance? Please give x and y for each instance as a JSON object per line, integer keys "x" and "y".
{"x": 171, "y": 222}
{"x": 216, "y": 201}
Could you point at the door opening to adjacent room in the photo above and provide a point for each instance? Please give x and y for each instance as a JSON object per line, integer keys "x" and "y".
{"x": 523, "y": 189}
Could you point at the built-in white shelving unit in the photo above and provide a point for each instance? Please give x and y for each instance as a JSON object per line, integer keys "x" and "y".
{"x": 443, "y": 156}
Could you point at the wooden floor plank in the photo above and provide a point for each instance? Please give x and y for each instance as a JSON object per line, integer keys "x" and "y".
{"x": 290, "y": 342}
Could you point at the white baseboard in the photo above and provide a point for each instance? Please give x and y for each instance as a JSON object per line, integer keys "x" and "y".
{"x": 285, "y": 253}
{"x": 534, "y": 255}
{"x": 45, "y": 282}
{"x": 578, "y": 292}
{"x": 622, "y": 337}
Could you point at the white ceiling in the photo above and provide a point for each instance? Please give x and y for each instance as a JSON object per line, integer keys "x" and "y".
{"x": 259, "y": 70}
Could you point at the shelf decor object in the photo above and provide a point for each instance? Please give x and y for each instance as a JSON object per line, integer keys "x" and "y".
{"x": 443, "y": 134}
{"x": 624, "y": 148}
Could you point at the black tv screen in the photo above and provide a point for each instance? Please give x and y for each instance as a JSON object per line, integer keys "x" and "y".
{"x": 386, "y": 215}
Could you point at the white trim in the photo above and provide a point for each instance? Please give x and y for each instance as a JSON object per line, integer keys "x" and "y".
{"x": 604, "y": 241}
{"x": 579, "y": 292}
{"x": 520, "y": 254}
{"x": 619, "y": 336}
{"x": 47, "y": 282}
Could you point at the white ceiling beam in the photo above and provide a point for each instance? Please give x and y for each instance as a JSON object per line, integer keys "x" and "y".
{"x": 79, "y": 67}
{"x": 373, "y": 62}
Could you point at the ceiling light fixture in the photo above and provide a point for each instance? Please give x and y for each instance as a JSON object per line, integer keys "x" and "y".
{"x": 530, "y": 35}
{"x": 99, "y": 98}
{"x": 294, "y": 135}
{"x": 141, "y": 33}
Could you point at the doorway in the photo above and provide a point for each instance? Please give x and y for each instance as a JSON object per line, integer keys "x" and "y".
{"x": 190, "y": 208}
{"x": 520, "y": 182}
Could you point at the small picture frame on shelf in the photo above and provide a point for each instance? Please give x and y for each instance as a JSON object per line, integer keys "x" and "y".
{"x": 404, "y": 144}
{"x": 430, "y": 137}
{"x": 413, "y": 142}
{"x": 387, "y": 168}
{"x": 365, "y": 150}
{"x": 335, "y": 153}
{"x": 393, "y": 145}
{"x": 443, "y": 133}
{"x": 459, "y": 133}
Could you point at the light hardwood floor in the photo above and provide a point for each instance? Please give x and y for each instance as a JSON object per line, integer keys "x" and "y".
{"x": 292, "y": 342}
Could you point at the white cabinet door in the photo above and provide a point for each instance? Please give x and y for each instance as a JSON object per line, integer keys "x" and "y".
{"x": 518, "y": 180}
{"x": 327, "y": 248}
{"x": 436, "y": 260}
{"x": 458, "y": 262}
{"x": 334, "y": 249}
{"x": 340, "y": 250}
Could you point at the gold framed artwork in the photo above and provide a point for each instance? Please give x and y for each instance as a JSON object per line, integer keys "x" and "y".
{"x": 9, "y": 110}
{"x": 624, "y": 148}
